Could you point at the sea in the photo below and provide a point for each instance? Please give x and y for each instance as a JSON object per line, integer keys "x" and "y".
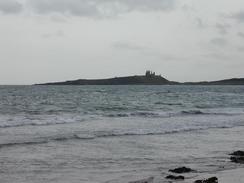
{"x": 117, "y": 134}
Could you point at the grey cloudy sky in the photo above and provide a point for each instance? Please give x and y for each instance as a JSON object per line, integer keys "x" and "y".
{"x": 56, "y": 40}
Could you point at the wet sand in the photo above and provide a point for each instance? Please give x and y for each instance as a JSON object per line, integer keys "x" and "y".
{"x": 214, "y": 158}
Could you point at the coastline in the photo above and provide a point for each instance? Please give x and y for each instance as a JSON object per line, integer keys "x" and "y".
{"x": 233, "y": 176}
{"x": 208, "y": 154}
{"x": 216, "y": 164}
{"x": 120, "y": 134}
{"x": 150, "y": 78}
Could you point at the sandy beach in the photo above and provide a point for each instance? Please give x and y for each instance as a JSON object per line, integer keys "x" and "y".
{"x": 213, "y": 159}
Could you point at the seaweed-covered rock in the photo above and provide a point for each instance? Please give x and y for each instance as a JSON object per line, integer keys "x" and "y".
{"x": 182, "y": 170}
{"x": 147, "y": 180}
{"x": 209, "y": 180}
{"x": 237, "y": 157}
{"x": 237, "y": 153}
{"x": 173, "y": 177}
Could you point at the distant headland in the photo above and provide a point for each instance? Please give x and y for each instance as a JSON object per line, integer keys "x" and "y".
{"x": 150, "y": 78}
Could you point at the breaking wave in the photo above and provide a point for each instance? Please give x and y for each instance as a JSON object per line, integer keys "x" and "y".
{"x": 168, "y": 114}
{"x": 105, "y": 134}
{"x": 170, "y": 104}
{"x": 193, "y": 112}
{"x": 199, "y": 112}
{"x": 120, "y": 115}
{"x": 31, "y": 124}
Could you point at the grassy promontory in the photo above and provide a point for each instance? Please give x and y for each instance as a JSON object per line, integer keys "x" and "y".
{"x": 148, "y": 79}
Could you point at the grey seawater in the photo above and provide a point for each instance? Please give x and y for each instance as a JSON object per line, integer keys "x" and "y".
{"x": 115, "y": 133}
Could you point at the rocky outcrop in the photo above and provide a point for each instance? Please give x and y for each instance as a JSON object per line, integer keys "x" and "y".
{"x": 147, "y": 180}
{"x": 209, "y": 180}
{"x": 237, "y": 157}
{"x": 174, "y": 177}
{"x": 182, "y": 170}
{"x": 150, "y": 78}
{"x": 237, "y": 153}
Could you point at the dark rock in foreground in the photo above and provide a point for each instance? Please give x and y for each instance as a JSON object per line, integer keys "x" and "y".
{"x": 173, "y": 177}
{"x": 237, "y": 157}
{"x": 148, "y": 180}
{"x": 209, "y": 180}
{"x": 182, "y": 170}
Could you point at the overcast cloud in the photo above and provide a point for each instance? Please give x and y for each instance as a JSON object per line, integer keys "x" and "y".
{"x": 239, "y": 16}
{"x": 56, "y": 40}
{"x": 10, "y": 6}
{"x": 241, "y": 34}
{"x": 86, "y": 7}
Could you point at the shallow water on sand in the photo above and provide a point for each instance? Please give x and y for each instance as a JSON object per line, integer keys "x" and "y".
{"x": 116, "y": 133}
